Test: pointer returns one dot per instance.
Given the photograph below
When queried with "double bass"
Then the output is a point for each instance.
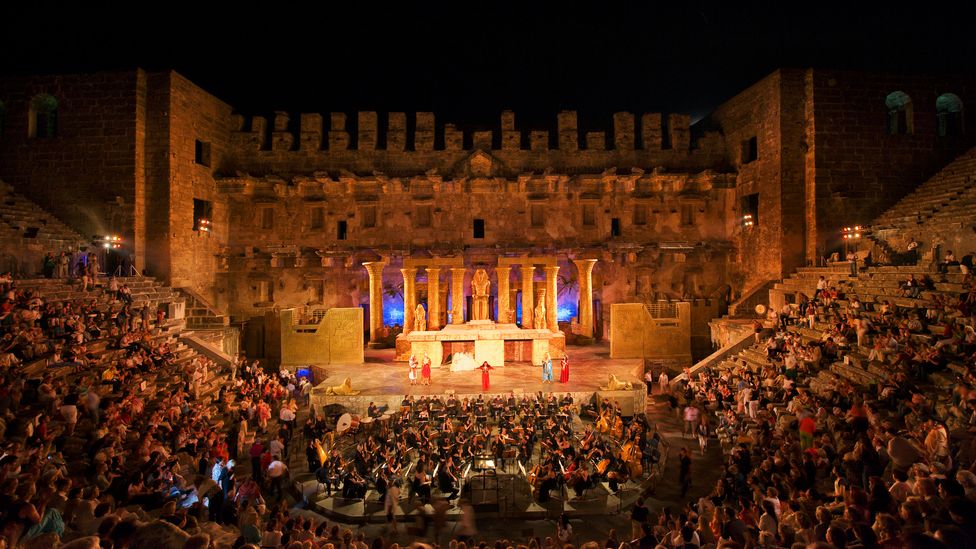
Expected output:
(631, 455)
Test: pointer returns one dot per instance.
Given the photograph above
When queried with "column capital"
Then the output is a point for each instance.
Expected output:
(406, 271)
(374, 267)
(585, 264)
(552, 269)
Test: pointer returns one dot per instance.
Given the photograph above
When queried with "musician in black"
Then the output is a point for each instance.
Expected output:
(447, 480)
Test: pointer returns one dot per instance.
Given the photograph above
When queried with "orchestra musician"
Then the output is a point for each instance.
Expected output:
(447, 480)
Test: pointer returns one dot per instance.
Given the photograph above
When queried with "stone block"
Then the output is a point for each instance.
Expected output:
(396, 134)
(596, 141)
(482, 140)
(679, 125)
(539, 140)
(651, 134)
(453, 138)
(433, 349)
(623, 131)
(423, 139)
(511, 140)
(508, 121)
(539, 349)
(311, 128)
(490, 350)
(338, 137)
(367, 128)
(568, 131)
(281, 120)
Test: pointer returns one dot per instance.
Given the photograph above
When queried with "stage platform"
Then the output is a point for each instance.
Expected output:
(383, 381)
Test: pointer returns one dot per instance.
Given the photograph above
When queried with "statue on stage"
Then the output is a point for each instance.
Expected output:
(420, 319)
(342, 390)
(539, 314)
(613, 384)
(480, 286)
(508, 316)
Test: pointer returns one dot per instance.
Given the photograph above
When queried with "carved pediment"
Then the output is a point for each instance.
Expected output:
(479, 164)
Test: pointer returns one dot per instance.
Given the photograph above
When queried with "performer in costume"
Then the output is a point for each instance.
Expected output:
(413, 370)
(564, 370)
(547, 369)
(485, 381)
(425, 370)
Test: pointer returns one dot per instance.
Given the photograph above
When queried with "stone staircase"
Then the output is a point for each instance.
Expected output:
(950, 190)
(200, 313)
(28, 233)
(947, 199)
(22, 218)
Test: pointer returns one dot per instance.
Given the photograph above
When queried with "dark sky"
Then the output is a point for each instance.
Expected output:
(469, 61)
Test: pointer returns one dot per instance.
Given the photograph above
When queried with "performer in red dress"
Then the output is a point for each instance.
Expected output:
(564, 371)
(485, 367)
(425, 370)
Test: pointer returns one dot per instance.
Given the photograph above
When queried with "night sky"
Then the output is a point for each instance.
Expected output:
(469, 61)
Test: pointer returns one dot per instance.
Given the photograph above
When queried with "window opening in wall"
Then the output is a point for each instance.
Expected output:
(264, 291)
(589, 215)
(749, 205)
(538, 216)
(368, 216)
(202, 215)
(479, 228)
(615, 226)
(750, 150)
(341, 230)
(202, 153)
(316, 220)
(267, 218)
(43, 121)
(640, 214)
(948, 108)
(900, 120)
(423, 217)
(687, 214)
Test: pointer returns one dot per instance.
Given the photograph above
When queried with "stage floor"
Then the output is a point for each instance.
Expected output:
(380, 379)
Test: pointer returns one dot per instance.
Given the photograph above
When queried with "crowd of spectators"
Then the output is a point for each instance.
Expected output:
(839, 430)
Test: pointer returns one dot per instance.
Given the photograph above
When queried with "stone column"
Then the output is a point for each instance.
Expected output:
(528, 297)
(375, 271)
(502, 273)
(433, 298)
(409, 297)
(585, 269)
(457, 295)
(552, 319)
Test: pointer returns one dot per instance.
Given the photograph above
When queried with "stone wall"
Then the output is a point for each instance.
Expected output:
(823, 158)
(83, 174)
(336, 339)
(860, 169)
(369, 142)
(196, 116)
(753, 128)
(663, 338)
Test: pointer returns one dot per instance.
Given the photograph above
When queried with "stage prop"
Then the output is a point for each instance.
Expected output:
(658, 330)
(484, 337)
(336, 339)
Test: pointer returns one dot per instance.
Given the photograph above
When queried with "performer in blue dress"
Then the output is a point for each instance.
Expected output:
(547, 369)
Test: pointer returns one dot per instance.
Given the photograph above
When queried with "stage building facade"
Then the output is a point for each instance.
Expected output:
(386, 211)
